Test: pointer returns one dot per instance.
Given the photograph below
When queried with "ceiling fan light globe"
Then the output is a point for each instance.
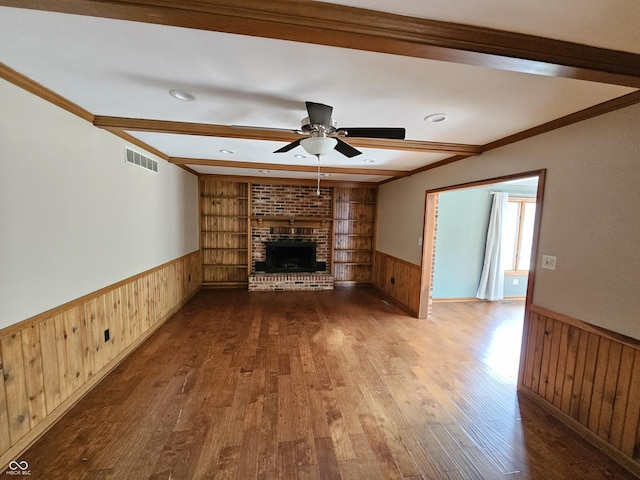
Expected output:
(318, 145)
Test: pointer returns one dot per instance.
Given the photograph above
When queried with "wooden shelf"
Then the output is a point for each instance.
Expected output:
(353, 220)
(221, 265)
(364, 264)
(356, 234)
(224, 197)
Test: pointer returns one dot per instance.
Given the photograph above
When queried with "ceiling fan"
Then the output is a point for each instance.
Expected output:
(324, 135)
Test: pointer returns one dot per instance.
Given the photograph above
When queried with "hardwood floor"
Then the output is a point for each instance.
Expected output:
(318, 385)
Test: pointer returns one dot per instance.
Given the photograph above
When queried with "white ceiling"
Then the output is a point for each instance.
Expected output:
(126, 69)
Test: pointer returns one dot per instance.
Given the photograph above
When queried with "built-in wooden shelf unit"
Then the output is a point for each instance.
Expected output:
(354, 228)
(224, 230)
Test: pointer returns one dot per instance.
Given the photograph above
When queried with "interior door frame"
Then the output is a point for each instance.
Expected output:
(429, 233)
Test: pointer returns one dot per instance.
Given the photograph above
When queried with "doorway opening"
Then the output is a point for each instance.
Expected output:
(454, 248)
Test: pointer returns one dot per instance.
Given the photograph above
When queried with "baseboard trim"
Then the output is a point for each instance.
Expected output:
(396, 303)
(474, 299)
(625, 461)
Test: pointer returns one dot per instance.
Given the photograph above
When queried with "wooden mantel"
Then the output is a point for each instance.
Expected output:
(282, 221)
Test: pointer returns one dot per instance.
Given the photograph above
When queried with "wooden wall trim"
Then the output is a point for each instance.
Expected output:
(50, 362)
(611, 335)
(44, 93)
(287, 181)
(587, 377)
(85, 298)
(579, 116)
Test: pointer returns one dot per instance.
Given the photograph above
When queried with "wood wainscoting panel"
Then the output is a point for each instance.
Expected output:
(399, 280)
(50, 361)
(588, 377)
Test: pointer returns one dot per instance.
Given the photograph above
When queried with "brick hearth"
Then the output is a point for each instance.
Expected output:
(290, 281)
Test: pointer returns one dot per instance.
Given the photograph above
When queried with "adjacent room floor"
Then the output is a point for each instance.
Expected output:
(327, 385)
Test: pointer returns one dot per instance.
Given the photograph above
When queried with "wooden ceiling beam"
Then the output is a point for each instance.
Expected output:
(225, 131)
(349, 27)
(288, 168)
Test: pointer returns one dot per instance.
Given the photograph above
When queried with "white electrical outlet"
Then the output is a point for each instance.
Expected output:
(516, 281)
(549, 262)
(419, 241)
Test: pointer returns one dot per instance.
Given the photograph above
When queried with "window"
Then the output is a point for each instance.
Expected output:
(518, 235)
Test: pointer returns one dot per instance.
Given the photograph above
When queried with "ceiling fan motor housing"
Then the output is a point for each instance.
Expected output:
(319, 129)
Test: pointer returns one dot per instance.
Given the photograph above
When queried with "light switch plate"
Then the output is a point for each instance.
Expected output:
(549, 262)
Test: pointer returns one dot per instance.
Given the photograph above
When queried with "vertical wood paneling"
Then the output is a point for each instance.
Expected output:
(609, 391)
(578, 377)
(587, 380)
(541, 332)
(587, 375)
(133, 307)
(93, 311)
(599, 378)
(46, 362)
(631, 431)
(15, 386)
(573, 337)
(621, 400)
(74, 342)
(399, 280)
(563, 349)
(527, 361)
(34, 377)
(50, 367)
(5, 440)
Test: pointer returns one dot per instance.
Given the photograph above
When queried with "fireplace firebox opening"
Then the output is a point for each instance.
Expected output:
(291, 256)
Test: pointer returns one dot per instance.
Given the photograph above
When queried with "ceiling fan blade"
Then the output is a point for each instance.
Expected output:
(391, 133)
(289, 146)
(346, 149)
(319, 114)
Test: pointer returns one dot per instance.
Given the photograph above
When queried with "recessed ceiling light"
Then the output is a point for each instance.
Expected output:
(300, 156)
(368, 160)
(436, 117)
(226, 152)
(263, 171)
(182, 95)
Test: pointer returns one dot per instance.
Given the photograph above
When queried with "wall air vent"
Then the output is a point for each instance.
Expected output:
(136, 158)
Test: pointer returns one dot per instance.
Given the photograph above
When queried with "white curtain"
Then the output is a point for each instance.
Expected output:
(492, 279)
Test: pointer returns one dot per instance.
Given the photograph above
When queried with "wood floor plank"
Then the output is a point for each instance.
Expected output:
(321, 385)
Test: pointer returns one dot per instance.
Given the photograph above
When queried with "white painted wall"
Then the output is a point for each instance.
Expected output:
(590, 220)
(74, 217)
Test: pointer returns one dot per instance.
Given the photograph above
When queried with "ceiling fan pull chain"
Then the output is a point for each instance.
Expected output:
(318, 189)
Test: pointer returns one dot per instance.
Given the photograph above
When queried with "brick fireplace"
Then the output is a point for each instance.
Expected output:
(290, 213)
